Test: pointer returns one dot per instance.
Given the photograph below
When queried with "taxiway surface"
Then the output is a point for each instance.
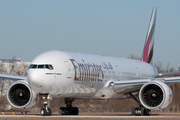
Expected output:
(93, 117)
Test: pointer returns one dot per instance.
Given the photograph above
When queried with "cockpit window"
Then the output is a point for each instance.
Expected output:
(49, 67)
(32, 66)
(41, 66)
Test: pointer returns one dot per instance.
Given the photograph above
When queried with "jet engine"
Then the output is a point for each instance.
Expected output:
(155, 95)
(20, 95)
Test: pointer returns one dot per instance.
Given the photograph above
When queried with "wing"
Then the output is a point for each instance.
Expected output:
(168, 74)
(121, 87)
(12, 77)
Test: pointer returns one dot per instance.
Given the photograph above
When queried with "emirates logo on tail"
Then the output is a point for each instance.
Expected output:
(149, 43)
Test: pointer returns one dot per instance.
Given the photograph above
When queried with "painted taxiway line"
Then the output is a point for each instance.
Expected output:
(94, 116)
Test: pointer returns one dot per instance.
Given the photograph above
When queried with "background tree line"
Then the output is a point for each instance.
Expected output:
(85, 105)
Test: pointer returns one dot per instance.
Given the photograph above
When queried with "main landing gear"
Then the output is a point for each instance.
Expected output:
(141, 110)
(69, 109)
(46, 111)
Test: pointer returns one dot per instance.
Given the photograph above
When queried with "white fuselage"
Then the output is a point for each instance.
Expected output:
(82, 75)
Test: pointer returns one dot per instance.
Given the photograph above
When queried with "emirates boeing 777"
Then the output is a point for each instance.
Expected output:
(84, 76)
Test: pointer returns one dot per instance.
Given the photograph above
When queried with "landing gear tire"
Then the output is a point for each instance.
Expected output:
(75, 111)
(60, 112)
(49, 113)
(43, 112)
(140, 111)
(68, 111)
(133, 111)
(147, 112)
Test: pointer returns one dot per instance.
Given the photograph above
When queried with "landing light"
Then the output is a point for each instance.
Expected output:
(48, 97)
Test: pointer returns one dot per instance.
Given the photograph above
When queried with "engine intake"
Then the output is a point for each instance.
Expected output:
(20, 95)
(155, 95)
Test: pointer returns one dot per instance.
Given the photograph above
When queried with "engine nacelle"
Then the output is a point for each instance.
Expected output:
(155, 95)
(20, 95)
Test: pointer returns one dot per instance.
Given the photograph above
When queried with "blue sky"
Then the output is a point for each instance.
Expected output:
(105, 27)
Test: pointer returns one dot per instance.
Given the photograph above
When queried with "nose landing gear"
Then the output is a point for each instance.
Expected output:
(46, 111)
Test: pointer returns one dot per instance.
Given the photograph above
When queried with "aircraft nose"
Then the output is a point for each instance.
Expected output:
(35, 80)
(40, 82)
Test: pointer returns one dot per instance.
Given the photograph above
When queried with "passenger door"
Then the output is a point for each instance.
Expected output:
(68, 69)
